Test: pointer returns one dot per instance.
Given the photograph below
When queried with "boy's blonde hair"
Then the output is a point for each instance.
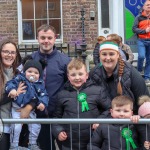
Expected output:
(121, 101)
(76, 63)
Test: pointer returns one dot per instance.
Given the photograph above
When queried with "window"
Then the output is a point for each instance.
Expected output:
(34, 13)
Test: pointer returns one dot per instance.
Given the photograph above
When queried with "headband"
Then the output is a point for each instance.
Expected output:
(109, 46)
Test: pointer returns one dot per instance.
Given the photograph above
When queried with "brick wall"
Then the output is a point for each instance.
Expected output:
(72, 22)
(8, 19)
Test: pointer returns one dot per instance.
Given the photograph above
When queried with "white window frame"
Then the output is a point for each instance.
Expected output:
(35, 42)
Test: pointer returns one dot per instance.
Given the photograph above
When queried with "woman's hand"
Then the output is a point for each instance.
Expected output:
(25, 111)
(21, 88)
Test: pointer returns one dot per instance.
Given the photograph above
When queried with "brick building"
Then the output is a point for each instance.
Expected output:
(21, 18)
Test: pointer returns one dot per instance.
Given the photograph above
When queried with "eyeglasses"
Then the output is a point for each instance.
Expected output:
(6, 52)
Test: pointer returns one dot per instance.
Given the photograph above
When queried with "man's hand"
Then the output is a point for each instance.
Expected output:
(147, 29)
(25, 111)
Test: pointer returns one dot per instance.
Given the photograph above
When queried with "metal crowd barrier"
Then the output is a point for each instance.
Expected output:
(74, 121)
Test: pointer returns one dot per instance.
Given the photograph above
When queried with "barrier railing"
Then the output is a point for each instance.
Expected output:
(74, 121)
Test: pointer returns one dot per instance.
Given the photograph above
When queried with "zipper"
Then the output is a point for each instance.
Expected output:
(120, 137)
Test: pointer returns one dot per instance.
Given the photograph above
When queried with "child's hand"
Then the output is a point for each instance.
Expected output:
(21, 88)
(135, 118)
(146, 145)
(62, 136)
(12, 94)
(94, 126)
(41, 107)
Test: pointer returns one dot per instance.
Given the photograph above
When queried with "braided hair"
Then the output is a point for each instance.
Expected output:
(120, 73)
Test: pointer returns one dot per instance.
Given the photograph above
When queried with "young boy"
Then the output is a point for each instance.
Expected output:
(114, 136)
(34, 91)
(80, 98)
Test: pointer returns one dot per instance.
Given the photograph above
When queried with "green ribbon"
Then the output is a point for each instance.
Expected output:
(82, 99)
(127, 134)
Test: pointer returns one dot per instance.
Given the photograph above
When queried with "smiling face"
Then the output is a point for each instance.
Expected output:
(46, 41)
(8, 55)
(121, 112)
(109, 59)
(77, 77)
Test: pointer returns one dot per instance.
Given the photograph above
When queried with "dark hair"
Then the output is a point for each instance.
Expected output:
(15, 64)
(46, 27)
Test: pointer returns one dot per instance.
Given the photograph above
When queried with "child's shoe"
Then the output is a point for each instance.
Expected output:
(33, 147)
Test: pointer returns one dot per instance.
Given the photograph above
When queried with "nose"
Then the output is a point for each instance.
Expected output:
(32, 73)
(46, 40)
(121, 113)
(9, 54)
(107, 57)
(77, 77)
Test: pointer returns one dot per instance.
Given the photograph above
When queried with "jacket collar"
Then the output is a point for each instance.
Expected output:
(113, 76)
(48, 55)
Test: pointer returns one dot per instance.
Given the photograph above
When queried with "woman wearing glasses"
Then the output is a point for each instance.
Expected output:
(9, 60)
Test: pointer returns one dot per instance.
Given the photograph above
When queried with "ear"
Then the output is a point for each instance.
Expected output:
(68, 76)
(132, 113)
(87, 75)
(111, 111)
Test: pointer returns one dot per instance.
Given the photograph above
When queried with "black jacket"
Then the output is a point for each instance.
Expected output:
(69, 107)
(133, 84)
(107, 137)
(96, 58)
(55, 74)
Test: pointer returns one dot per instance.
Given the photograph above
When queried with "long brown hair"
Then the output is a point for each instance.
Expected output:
(14, 65)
